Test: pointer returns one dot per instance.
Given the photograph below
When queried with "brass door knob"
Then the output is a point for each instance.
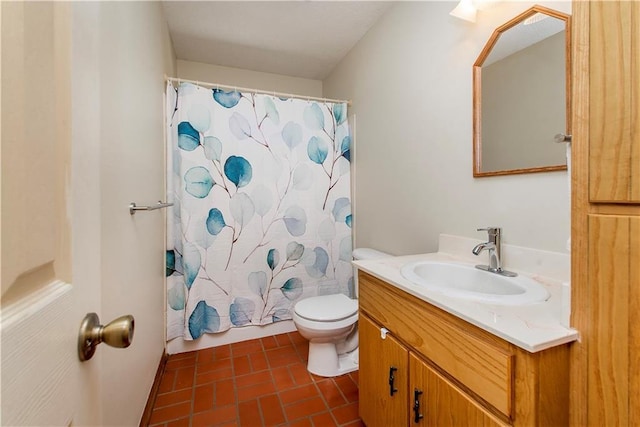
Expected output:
(117, 333)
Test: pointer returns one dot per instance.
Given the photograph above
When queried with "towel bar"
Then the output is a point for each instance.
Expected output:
(133, 207)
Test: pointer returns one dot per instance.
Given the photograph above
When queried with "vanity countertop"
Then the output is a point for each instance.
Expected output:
(532, 327)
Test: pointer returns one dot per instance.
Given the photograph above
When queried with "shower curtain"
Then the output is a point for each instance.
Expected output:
(262, 208)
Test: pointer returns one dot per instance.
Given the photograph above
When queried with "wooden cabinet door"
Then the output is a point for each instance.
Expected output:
(614, 292)
(441, 403)
(614, 87)
(378, 356)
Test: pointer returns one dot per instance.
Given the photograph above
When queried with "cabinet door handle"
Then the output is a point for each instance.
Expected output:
(417, 416)
(392, 378)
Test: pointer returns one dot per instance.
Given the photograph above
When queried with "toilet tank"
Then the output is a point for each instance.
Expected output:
(361, 254)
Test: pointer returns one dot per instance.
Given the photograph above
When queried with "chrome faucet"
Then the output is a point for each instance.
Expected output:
(493, 245)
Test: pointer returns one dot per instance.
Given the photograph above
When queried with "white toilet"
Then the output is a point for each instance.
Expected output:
(329, 322)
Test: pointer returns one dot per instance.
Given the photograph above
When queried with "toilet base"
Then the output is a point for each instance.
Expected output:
(324, 360)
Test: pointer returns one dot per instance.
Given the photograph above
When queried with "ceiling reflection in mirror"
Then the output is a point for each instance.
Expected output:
(521, 96)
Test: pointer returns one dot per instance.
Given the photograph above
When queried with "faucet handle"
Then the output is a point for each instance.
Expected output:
(493, 231)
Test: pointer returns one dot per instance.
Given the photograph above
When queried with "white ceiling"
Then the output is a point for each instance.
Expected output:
(294, 38)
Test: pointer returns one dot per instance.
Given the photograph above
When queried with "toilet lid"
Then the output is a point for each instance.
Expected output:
(326, 308)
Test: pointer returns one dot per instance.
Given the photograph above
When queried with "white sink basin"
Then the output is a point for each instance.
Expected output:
(467, 282)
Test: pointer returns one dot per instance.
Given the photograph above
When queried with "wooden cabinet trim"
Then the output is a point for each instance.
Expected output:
(579, 207)
(617, 209)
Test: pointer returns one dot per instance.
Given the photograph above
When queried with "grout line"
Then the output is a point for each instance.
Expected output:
(252, 371)
(193, 387)
(235, 386)
(275, 385)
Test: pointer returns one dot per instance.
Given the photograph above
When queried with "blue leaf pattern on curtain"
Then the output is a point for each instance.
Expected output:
(203, 319)
(226, 99)
(262, 207)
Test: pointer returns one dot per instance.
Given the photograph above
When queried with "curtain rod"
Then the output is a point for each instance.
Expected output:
(257, 91)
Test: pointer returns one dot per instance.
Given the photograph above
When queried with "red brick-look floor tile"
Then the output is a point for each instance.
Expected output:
(331, 393)
(255, 390)
(282, 378)
(299, 393)
(269, 342)
(303, 351)
(186, 362)
(252, 379)
(214, 371)
(209, 377)
(241, 365)
(182, 422)
(300, 374)
(225, 393)
(348, 388)
(283, 340)
(279, 352)
(169, 413)
(296, 338)
(249, 413)
(215, 416)
(166, 384)
(203, 398)
(346, 414)
(271, 410)
(222, 352)
(214, 365)
(305, 422)
(184, 378)
(258, 362)
(304, 408)
(354, 376)
(174, 398)
(323, 420)
(257, 383)
(246, 347)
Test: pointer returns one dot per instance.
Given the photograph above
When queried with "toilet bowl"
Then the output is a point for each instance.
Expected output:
(329, 322)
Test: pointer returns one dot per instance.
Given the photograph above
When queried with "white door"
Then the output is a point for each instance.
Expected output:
(43, 381)
(81, 138)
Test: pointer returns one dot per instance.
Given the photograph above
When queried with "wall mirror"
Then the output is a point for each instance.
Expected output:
(521, 95)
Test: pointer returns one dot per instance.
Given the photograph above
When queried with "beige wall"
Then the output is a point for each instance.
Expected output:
(133, 64)
(122, 51)
(246, 78)
(410, 82)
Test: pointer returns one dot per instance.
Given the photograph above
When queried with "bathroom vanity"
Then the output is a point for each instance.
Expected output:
(439, 361)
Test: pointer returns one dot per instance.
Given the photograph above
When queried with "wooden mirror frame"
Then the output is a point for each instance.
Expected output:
(477, 90)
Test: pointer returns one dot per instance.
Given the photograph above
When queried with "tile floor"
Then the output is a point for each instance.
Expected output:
(262, 382)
